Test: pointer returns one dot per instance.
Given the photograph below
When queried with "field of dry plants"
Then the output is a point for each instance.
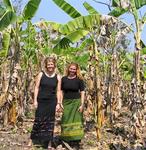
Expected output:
(112, 138)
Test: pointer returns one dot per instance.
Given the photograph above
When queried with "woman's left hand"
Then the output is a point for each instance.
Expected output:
(81, 108)
(59, 108)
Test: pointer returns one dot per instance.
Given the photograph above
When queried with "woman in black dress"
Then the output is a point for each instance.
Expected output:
(46, 95)
(72, 86)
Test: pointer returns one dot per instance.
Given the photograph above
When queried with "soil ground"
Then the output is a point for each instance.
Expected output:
(116, 138)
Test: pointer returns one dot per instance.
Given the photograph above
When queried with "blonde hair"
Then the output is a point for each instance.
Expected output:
(49, 59)
(78, 71)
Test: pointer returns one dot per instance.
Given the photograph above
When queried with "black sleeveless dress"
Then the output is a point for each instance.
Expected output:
(43, 127)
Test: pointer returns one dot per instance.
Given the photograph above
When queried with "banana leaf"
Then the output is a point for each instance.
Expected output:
(90, 9)
(8, 18)
(2, 11)
(71, 38)
(81, 23)
(5, 44)
(66, 7)
(8, 5)
(117, 12)
(143, 51)
(30, 9)
(46, 24)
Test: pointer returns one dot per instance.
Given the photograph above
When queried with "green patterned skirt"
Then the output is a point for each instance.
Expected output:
(72, 121)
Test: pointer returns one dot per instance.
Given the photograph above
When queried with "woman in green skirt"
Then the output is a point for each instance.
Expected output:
(72, 87)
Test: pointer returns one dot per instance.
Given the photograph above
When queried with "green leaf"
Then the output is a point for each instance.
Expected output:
(30, 9)
(2, 53)
(77, 35)
(8, 5)
(63, 43)
(2, 11)
(71, 26)
(82, 60)
(86, 43)
(5, 44)
(8, 18)
(90, 9)
(46, 50)
(81, 23)
(35, 59)
(143, 51)
(142, 44)
(139, 3)
(66, 7)
(46, 24)
(117, 12)
(144, 74)
(70, 38)
(144, 19)
(115, 3)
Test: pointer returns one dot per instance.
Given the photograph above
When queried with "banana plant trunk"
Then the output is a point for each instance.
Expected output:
(12, 92)
(137, 120)
(98, 98)
(114, 89)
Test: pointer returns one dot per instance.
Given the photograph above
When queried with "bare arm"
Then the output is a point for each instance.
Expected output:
(59, 106)
(59, 90)
(36, 89)
(82, 97)
(82, 101)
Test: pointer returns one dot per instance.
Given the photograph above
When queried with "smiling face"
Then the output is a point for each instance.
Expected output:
(72, 70)
(50, 65)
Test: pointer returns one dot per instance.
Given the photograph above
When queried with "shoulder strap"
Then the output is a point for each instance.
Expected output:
(42, 71)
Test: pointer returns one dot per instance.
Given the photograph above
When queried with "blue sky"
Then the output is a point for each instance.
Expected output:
(51, 12)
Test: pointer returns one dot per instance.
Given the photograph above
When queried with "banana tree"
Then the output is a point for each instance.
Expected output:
(60, 45)
(133, 7)
(9, 19)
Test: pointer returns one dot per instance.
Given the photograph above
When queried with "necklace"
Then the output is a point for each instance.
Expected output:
(50, 76)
